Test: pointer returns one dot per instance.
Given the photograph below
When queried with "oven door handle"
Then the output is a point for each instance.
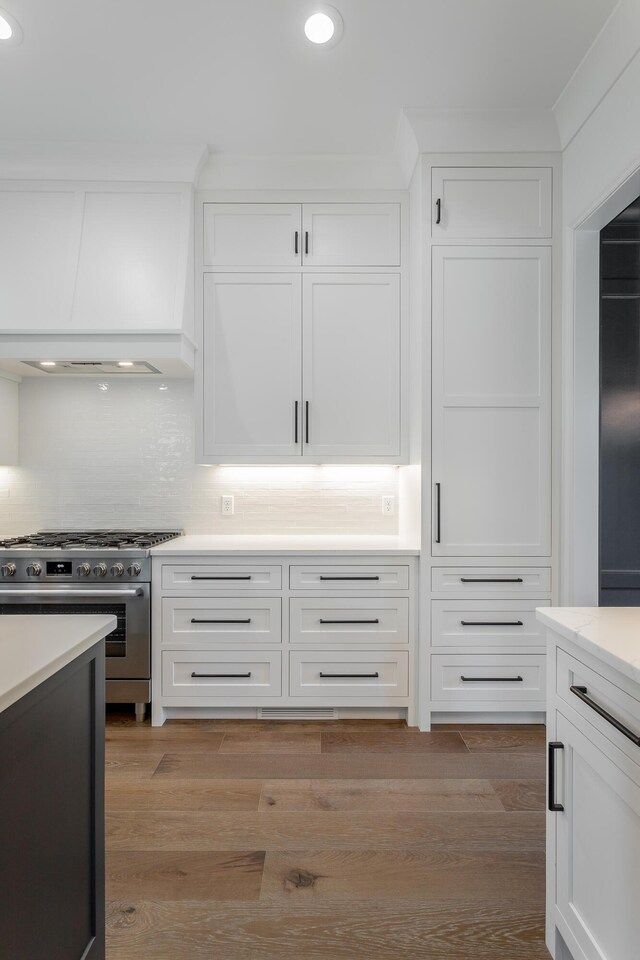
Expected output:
(88, 594)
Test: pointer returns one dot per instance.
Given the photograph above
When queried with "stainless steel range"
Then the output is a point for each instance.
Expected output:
(90, 571)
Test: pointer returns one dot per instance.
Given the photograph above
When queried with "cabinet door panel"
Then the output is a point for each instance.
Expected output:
(491, 401)
(351, 366)
(252, 234)
(251, 356)
(507, 202)
(598, 848)
(351, 234)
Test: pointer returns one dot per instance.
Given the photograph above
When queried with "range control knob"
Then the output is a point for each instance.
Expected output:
(8, 570)
(34, 570)
(117, 570)
(83, 570)
(100, 570)
(134, 570)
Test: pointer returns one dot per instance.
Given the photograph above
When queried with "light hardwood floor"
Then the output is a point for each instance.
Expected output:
(364, 840)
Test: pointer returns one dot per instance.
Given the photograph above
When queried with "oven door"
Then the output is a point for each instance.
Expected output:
(127, 647)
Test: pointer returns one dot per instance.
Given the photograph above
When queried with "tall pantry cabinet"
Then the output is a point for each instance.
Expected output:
(488, 247)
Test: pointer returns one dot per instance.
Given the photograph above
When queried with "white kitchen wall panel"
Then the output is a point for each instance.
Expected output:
(123, 456)
(9, 422)
(491, 401)
(252, 234)
(351, 365)
(251, 354)
(486, 202)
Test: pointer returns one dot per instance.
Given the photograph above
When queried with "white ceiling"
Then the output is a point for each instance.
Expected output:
(238, 74)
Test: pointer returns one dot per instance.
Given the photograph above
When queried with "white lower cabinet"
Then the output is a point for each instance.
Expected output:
(500, 679)
(297, 633)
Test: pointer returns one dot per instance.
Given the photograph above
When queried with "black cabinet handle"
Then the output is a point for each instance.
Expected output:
(491, 623)
(581, 693)
(295, 418)
(306, 243)
(438, 531)
(492, 679)
(243, 577)
(349, 676)
(225, 675)
(306, 422)
(322, 577)
(438, 210)
(195, 620)
(296, 248)
(551, 780)
(349, 621)
(491, 580)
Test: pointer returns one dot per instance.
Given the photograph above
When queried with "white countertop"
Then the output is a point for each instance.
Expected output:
(34, 647)
(355, 546)
(610, 633)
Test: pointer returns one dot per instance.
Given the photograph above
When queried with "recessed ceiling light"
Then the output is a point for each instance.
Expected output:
(47, 363)
(125, 363)
(10, 30)
(324, 25)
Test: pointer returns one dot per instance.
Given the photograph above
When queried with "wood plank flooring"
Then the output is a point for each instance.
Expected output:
(365, 840)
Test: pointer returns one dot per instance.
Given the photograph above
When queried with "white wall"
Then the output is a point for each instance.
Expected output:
(124, 456)
(598, 121)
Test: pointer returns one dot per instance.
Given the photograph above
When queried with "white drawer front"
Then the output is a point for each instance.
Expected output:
(601, 692)
(221, 674)
(348, 620)
(488, 677)
(486, 623)
(495, 581)
(349, 674)
(350, 577)
(199, 620)
(221, 576)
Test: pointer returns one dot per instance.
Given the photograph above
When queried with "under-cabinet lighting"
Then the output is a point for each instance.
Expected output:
(47, 363)
(125, 363)
(324, 25)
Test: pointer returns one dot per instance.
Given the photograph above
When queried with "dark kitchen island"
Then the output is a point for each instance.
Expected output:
(52, 787)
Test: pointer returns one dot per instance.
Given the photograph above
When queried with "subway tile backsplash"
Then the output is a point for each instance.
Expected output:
(120, 453)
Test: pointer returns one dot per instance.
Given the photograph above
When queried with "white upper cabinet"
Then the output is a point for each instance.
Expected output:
(351, 372)
(251, 359)
(252, 234)
(488, 202)
(351, 234)
(38, 254)
(95, 257)
(132, 253)
(491, 460)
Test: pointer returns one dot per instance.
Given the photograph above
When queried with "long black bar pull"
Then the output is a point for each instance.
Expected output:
(492, 679)
(295, 417)
(491, 623)
(347, 621)
(196, 620)
(581, 693)
(491, 580)
(438, 531)
(551, 780)
(438, 210)
(306, 422)
(350, 676)
(296, 243)
(244, 676)
(306, 243)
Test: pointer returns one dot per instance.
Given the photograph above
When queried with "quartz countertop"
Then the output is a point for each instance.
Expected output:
(34, 647)
(610, 633)
(285, 545)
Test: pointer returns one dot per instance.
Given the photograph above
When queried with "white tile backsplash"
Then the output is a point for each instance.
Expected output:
(123, 456)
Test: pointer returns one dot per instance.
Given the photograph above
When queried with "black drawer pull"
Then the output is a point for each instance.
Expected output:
(195, 620)
(306, 243)
(243, 675)
(438, 532)
(349, 621)
(581, 693)
(295, 418)
(199, 577)
(491, 580)
(551, 780)
(438, 210)
(491, 623)
(349, 578)
(492, 679)
(351, 676)
(297, 237)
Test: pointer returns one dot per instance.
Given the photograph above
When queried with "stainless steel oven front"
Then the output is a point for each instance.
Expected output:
(128, 654)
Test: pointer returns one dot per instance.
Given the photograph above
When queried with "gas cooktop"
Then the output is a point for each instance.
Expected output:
(89, 540)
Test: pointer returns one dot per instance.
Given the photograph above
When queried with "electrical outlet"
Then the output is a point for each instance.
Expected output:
(388, 506)
(227, 506)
